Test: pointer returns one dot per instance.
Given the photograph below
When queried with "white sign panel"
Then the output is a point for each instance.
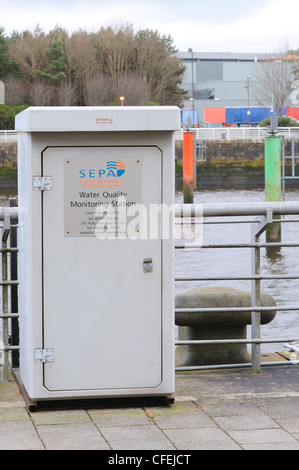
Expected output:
(102, 193)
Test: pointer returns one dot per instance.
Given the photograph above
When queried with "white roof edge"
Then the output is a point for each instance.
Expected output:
(95, 119)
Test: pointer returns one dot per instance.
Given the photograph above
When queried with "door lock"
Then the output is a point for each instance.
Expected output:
(147, 265)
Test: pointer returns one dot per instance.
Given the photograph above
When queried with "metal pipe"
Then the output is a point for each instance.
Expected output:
(10, 348)
(9, 250)
(237, 209)
(9, 315)
(236, 366)
(236, 309)
(233, 341)
(11, 211)
(260, 277)
(9, 283)
(241, 245)
(209, 209)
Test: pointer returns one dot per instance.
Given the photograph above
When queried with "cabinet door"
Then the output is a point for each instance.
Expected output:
(102, 293)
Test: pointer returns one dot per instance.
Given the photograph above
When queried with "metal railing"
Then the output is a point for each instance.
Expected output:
(237, 133)
(9, 283)
(264, 216)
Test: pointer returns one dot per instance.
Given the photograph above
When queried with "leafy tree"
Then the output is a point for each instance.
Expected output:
(4, 43)
(7, 115)
(56, 69)
(28, 51)
(283, 121)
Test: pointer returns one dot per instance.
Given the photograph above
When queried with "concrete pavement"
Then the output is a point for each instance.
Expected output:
(230, 409)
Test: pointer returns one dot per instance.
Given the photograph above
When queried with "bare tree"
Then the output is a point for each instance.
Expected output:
(40, 94)
(115, 51)
(66, 94)
(98, 90)
(158, 66)
(133, 88)
(273, 77)
(15, 91)
(81, 57)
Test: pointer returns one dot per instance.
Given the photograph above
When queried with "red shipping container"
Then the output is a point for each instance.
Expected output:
(214, 115)
(293, 112)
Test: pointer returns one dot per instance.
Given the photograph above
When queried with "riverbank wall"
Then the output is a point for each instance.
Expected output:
(228, 164)
(233, 164)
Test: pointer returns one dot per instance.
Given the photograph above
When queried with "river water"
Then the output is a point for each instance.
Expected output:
(237, 261)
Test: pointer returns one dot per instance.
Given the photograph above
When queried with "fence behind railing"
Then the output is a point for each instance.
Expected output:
(237, 133)
(8, 136)
(205, 133)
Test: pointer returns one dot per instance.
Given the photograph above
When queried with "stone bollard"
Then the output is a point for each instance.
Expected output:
(215, 325)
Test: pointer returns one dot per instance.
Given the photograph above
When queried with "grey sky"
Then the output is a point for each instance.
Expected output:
(218, 25)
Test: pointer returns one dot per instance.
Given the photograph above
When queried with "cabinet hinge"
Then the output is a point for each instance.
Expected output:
(44, 355)
(42, 183)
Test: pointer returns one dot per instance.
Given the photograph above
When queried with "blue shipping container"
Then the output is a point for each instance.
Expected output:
(189, 117)
(240, 115)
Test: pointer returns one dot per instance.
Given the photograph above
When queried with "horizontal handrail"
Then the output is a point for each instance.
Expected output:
(236, 209)
(233, 341)
(240, 245)
(209, 209)
(235, 309)
(238, 277)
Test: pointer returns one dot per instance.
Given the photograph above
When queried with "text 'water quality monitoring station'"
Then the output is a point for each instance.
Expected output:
(96, 251)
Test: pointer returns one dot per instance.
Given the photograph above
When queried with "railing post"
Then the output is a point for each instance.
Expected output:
(257, 229)
(255, 300)
(5, 233)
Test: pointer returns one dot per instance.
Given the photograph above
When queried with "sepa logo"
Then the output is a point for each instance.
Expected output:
(114, 169)
(118, 166)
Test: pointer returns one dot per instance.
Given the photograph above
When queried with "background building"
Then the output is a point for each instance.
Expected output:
(217, 81)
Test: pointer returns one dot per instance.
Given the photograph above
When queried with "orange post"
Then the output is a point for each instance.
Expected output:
(188, 167)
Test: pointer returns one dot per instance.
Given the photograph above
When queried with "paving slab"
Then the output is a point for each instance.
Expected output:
(19, 435)
(138, 437)
(213, 410)
(259, 436)
(73, 436)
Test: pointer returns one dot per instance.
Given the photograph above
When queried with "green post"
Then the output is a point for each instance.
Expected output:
(273, 181)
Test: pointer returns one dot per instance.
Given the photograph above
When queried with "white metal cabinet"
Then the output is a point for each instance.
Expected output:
(96, 311)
